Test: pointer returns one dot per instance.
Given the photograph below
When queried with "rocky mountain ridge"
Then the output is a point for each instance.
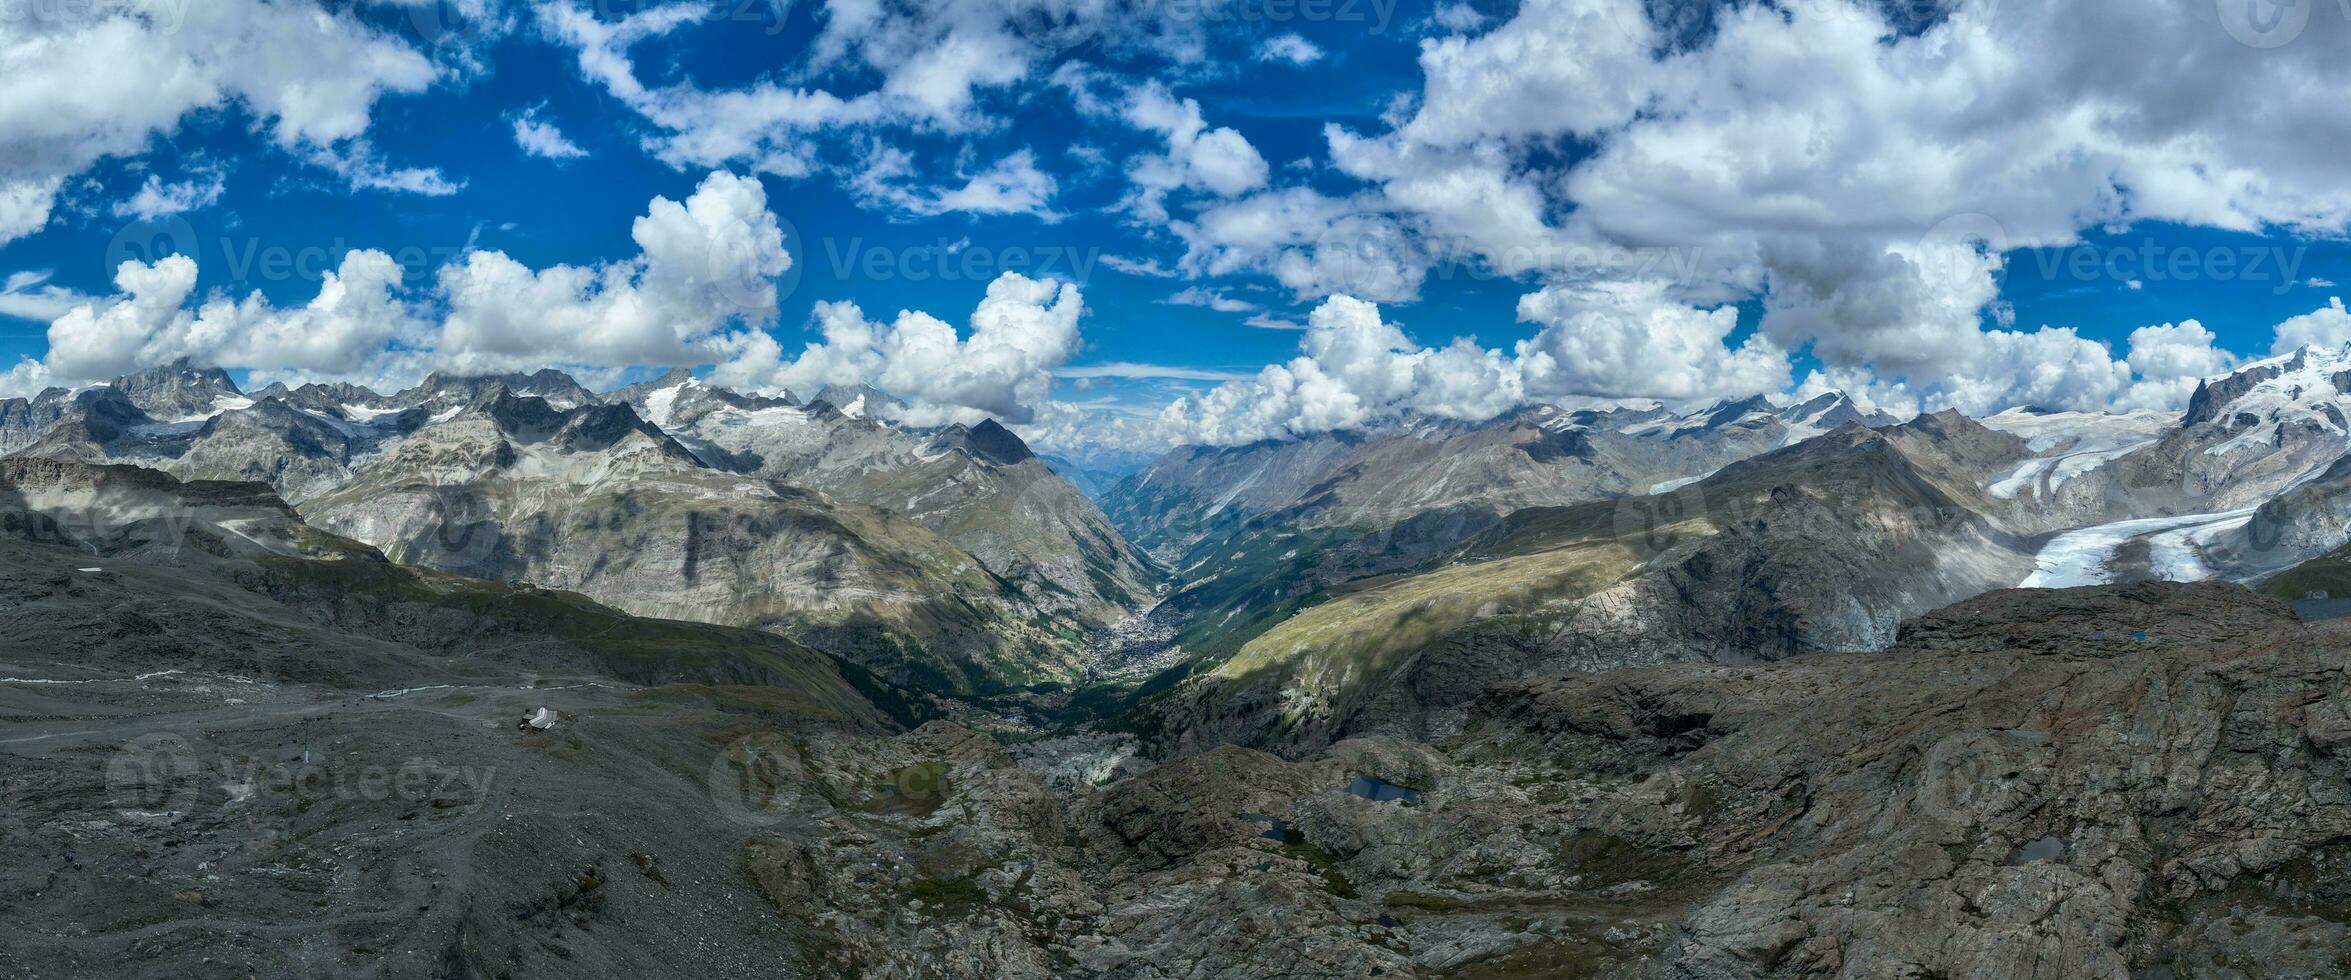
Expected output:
(530, 478)
(950, 553)
(1309, 545)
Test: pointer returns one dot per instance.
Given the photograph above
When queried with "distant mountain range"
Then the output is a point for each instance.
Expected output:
(1285, 592)
(1350, 583)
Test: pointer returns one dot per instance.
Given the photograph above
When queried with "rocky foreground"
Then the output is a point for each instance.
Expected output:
(2138, 781)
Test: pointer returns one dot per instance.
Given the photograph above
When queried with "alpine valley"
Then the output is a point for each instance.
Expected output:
(1768, 688)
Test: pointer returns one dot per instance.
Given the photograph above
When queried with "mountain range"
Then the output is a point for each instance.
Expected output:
(1609, 692)
(952, 556)
(956, 560)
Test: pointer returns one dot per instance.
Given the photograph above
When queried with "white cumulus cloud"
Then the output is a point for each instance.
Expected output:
(1630, 340)
(2327, 326)
(1218, 161)
(1020, 334)
(1355, 370)
(703, 266)
(87, 81)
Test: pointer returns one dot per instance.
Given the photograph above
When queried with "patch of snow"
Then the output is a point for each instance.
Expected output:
(156, 430)
(2024, 475)
(362, 413)
(220, 403)
(2081, 431)
(140, 679)
(661, 405)
(1670, 486)
(1233, 494)
(387, 695)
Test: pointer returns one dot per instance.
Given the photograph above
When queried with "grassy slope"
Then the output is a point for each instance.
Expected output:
(1373, 628)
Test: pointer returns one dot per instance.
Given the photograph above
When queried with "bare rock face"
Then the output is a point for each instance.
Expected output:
(1983, 800)
(986, 441)
(111, 511)
(2095, 621)
(1190, 504)
(978, 486)
(180, 390)
(1986, 800)
(207, 741)
(442, 389)
(597, 500)
(23, 421)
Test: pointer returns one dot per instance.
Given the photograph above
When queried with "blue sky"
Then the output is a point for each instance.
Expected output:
(1476, 135)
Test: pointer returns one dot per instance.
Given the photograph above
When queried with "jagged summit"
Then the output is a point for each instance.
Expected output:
(181, 390)
(92, 417)
(1732, 412)
(1833, 409)
(678, 399)
(2309, 383)
(860, 401)
(589, 428)
(987, 441)
(443, 387)
(341, 399)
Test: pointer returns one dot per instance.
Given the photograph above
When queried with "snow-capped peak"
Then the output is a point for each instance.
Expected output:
(661, 402)
(2310, 385)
